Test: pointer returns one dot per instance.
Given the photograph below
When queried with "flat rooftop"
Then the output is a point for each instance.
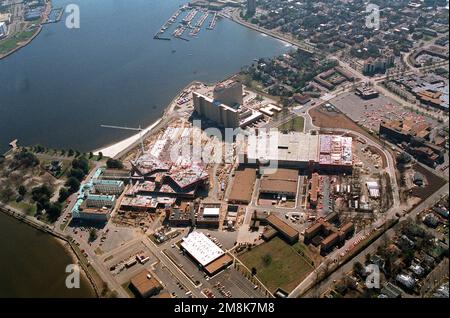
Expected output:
(243, 184)
(282, 226)
(144, 282)
(218, 264)
(292, 147)
(201, 248)
(282, 181)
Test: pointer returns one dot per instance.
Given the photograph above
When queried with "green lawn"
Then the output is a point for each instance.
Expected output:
(277, 264)
(295, 124)
(27, 208)
(9, 44)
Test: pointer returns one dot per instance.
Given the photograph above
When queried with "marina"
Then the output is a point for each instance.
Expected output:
(186, 23)
(169, 23)
(54, 16)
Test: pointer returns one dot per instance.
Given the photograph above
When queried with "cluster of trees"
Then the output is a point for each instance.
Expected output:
(288, 75)
(41, 195)
(79, 170)
(114, 164)
(24, 159)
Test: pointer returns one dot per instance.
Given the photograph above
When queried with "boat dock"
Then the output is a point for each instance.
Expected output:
(194, 31)
(189, 17)
(213, 22)
(202, 19)
(186, 23)
(54, 16)
(178, 33)
(168, 23)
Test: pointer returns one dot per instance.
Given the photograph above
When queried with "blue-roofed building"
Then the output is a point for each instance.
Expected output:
(94, 207)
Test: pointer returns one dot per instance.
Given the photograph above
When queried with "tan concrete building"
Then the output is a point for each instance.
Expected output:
(214, 110)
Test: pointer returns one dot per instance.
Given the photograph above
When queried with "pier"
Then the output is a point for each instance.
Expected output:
(168, 23)
(213, 22)
(190, 16)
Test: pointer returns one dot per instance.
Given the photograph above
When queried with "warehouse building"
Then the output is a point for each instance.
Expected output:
(145, 284)
(327, 153)
(205, 253)
(242, 189)
(138, 204)
(287, 232)
(282, 183)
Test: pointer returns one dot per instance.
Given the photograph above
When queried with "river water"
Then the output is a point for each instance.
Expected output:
(33, 264)
(59, 90)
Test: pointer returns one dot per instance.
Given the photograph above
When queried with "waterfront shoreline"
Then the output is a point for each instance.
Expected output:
(121, 147)
(59, 238)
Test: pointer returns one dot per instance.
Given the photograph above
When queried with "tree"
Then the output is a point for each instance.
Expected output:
(358, 268)
(81, 163)
(6, 194)
(25, 159)
(70, 153)
(267, 259)
(22, 190)
(54, 211)
(254, 271)
(92, 235)
(100, 156)
(91, 154)
(63, 195)
(114, 164)
(73, 184)
(41, 194)
(368, 257)
(77, 173)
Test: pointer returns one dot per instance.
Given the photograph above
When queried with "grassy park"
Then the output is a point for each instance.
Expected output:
(295, 124)
(277, 264)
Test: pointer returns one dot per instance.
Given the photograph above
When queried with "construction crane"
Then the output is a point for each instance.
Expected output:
(129, 128)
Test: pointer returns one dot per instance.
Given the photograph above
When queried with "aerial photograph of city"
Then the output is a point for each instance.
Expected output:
(211, 150)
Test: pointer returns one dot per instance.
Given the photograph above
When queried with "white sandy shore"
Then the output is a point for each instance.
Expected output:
(115, 149)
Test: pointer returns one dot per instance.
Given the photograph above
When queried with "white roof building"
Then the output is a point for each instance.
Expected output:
(211, 212)
(201, 248)
(3, 29)
(374, 189)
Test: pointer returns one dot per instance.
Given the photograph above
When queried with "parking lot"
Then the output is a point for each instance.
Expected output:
(370, 113)
(231, 282)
